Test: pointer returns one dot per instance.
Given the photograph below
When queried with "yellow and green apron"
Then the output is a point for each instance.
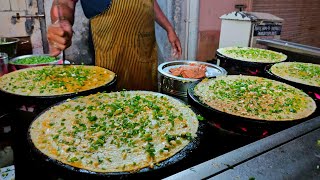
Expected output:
(124, 42)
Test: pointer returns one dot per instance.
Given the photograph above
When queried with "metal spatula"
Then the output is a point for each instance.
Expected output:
(60, 17)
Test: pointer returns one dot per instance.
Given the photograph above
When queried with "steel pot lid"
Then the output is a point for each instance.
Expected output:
(212, 70)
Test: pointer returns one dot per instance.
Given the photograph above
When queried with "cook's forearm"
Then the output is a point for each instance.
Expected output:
(160, 18)
(67, 9)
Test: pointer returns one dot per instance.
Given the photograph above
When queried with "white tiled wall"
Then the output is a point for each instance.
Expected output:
(9, 8)
(18, 5)
(8, 28)
(5, 5)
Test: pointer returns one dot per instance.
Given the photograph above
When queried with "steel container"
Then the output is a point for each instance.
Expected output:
(13, 66)
(178, 86)
(9, 46)
(3, 64)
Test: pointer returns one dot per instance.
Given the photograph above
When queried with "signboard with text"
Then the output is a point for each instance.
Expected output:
(267, 30)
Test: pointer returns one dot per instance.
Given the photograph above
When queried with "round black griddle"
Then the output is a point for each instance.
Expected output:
(236, 66)
(214, 115)
(70, 172)
(244, 63)
(42, 102)
(312, 91)
(304, 87)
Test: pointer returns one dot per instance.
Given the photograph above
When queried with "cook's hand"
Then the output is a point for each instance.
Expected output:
(60, 33)
(175, 43)
(59, 36)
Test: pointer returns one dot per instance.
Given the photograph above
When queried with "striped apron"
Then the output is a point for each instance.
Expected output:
(124, 42)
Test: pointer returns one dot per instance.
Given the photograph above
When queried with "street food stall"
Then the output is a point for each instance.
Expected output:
(219, 134)
(206, 122)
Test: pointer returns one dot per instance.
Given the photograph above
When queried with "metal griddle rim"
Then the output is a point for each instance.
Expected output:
(183, 153)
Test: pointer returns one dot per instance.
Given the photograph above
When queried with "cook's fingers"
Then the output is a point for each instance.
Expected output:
(174, 53)
(59, 46)
(54, 51)
(179, 48)
(59, 40)
(56, 30)
(66, 26)
(176, 49)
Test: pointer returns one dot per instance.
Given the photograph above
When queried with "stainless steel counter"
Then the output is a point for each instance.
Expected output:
(291, 47)
(289, 154)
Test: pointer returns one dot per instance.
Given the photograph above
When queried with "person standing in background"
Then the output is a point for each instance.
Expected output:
(123, 36)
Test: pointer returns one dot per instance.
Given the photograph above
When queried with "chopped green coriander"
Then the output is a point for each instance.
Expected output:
(200, 118)
(73, 159)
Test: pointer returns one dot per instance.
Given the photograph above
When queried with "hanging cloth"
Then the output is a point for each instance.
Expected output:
(124, 42)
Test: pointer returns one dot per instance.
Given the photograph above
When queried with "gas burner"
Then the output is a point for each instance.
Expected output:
(315, 95)
(253, 72)
(235, 69)
(28, 108)
(241, 130)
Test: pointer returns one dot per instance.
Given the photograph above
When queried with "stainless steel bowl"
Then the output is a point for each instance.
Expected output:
(178, 86)
(9, 46)
(3, 64)
(13, 66)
